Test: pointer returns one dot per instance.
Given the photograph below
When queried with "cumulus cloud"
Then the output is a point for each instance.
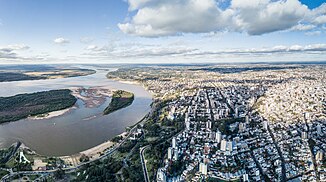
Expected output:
(154, 18)
(61, 41)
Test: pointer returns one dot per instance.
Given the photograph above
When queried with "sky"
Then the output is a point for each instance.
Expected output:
(161, 31)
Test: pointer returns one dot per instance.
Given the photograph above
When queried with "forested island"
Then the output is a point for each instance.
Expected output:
(120, 99)
(24, 105)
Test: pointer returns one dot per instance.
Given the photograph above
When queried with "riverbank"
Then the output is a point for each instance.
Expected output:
(52, 114)
(115, 123)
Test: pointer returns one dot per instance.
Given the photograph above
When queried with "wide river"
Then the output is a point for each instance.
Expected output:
(72, 132)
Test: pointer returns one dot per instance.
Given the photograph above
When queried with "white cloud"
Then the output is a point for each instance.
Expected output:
(176, 16)
(95, 48)
(259, 17)
(10, 51)
(61, 41)
(313, 33)
(303, 27)
(155, 18)
(320, 19)
(18, 47)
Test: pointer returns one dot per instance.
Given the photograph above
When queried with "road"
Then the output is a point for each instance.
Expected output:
(73, 169)
(279, 153)
(143, 162)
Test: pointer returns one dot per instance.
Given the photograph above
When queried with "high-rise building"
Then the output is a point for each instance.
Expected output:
(170, 153)
(245, 177)
(174, 142)
(229, 146)
(265, 125)
(208, 125)
(236, 112)
(187, 125)
(247, 119)
(306, 116)
(319, 129)
(218, 136)
(203, 168)
(319, 156)
(223, 145)
(175, 154)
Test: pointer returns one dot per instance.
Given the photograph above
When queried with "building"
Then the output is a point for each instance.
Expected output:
(170, 153)
(304, 135)
(203, 168)
(229, 146)
(223, 145)
(218, 136)
(319, 131)
(245, 177)
(174, 142)
(265, 125)
(175, 154)
(160, 177)
(319, 156)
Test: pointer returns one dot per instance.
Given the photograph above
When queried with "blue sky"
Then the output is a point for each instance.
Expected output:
(155, 31)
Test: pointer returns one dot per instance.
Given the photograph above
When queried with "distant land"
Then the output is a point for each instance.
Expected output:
(120, 99)
(39, 72)
(24, 105)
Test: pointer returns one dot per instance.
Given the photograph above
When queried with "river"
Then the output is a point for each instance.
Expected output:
(71, 132)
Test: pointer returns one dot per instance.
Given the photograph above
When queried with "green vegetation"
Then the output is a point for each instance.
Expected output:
(100, 170)
(5, 155)
(16, 162)
(10, 76)
(120, 99)
(3, 173)
(23, 105)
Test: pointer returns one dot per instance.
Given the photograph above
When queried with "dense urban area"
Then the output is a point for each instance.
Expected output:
(207, 123)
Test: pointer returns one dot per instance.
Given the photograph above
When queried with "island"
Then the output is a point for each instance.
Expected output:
(39, 72)
(32, 104)
(120, 99)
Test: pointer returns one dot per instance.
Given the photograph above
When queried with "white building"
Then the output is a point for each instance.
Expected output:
(218, 136)
(175, 154)
(174, 142)
(160, 177)
(319, 156)
(223, 145)
(170, 153)
(265, 125)
(203, 168)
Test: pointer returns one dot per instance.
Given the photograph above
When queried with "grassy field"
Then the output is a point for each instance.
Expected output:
(120, 99)
(23, 105)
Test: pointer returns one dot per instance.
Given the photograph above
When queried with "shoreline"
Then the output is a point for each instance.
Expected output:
(96, 151)
(52, 114)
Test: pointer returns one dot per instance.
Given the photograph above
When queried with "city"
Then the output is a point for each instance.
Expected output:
(163, 91)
